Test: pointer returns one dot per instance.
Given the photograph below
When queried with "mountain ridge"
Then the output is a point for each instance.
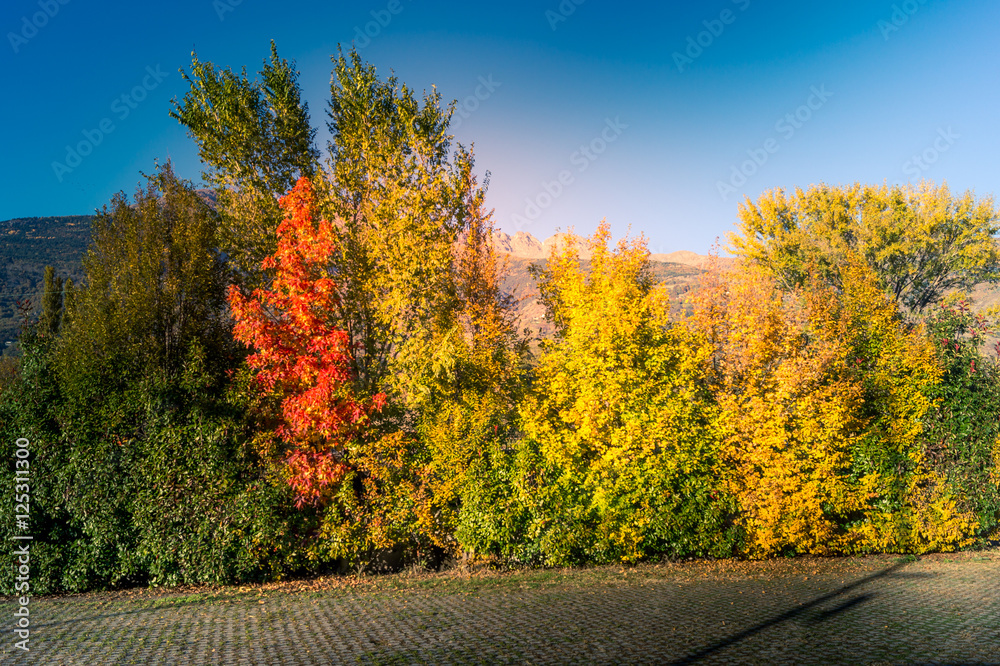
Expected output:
(522, 245)
(28, 244)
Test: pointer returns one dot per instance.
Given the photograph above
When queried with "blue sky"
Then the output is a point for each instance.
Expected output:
(660, 117)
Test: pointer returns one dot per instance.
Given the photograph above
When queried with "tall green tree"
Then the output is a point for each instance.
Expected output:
(962, 432)
(399, 186)
(255, 141)
(52, 303)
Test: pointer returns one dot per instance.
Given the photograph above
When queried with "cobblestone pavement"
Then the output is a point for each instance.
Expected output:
(940, 609)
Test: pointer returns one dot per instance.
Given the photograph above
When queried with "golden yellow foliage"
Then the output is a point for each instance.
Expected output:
(821, 395)
(788, 406)
(618, 420)
(921, 241)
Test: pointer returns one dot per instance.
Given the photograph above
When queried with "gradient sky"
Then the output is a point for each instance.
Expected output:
(896, 80)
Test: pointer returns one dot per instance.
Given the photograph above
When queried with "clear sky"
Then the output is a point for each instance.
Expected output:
(658, 116)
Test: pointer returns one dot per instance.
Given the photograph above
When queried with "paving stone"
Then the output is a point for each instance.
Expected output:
(936, 610)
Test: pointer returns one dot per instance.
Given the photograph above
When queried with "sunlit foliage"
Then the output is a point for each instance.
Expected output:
(921, 242)
(619, 430)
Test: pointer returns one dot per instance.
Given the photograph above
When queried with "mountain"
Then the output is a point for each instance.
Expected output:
(521, 245)
(679, 271)
(685, 257)
(525, 246)
(27, 246)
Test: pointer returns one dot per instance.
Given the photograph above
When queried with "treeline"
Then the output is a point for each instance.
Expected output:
(326, 373)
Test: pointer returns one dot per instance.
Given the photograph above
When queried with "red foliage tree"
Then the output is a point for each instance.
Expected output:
(300, 352)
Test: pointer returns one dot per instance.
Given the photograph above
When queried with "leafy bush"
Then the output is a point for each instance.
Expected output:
(619, 450)
(962, 429)
(142, 457)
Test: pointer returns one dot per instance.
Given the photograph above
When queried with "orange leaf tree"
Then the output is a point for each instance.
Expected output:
(300, 352)
(787, 409)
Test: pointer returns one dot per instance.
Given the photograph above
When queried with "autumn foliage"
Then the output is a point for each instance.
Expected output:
(787, 410)
(822, 396)
(772, 420)
(300, 353)
(325, 370)
(620, 443)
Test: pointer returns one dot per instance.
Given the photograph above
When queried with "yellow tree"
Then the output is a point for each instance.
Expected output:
(921, 242)
(787, 405)
(821, 393)
(618, 428)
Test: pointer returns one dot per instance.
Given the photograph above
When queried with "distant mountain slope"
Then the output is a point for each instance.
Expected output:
(678, 271)
(29, 244)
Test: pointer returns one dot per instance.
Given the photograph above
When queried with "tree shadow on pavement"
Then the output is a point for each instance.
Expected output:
(890, 572)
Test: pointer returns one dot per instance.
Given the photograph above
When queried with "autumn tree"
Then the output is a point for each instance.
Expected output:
(619, 431)
(468, 402)
(822, 395)
(398, 192)
(921, 242)
(787, 410)
(399, 186)
(395, 183)
(255, 141)
(916, 509)
(301, 354)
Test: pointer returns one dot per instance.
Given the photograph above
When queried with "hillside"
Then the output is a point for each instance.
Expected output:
(29, 244)
(679, 271)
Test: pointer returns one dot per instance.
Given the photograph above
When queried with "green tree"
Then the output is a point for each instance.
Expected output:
(255, 141)
(962, 432)
(155, 282)
(52, 303)
(137, 426)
